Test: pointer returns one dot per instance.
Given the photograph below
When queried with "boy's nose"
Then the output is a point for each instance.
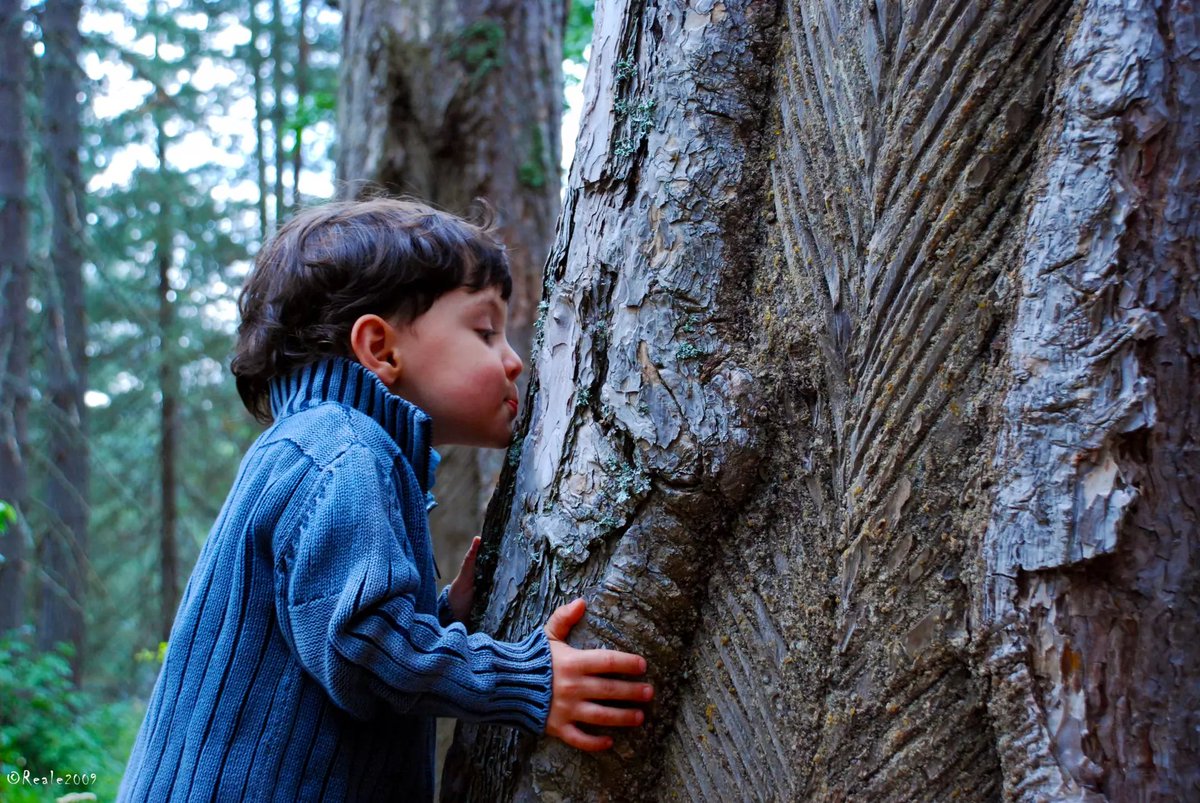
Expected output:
(512, 363)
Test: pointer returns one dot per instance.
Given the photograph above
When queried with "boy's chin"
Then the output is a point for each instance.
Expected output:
(501, 442)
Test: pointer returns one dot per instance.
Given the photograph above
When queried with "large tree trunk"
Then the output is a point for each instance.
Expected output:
(14, 319)
(453, 101)
(63, 547)
(865, 407)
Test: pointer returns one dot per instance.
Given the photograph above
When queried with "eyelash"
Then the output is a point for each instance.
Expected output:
(487, 334)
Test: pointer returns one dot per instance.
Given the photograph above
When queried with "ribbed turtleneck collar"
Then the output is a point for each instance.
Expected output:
(341, 380)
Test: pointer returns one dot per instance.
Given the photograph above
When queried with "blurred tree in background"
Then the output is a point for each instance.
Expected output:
(14, 330)
(62, 542)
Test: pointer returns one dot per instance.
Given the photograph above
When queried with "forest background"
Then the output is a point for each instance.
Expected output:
(128, 219)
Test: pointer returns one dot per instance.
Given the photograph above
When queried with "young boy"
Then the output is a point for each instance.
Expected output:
(309, 656)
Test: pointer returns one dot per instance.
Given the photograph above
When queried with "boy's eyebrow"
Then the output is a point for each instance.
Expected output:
(488, 301)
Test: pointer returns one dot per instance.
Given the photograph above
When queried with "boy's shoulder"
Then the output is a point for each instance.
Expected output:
(326, 431)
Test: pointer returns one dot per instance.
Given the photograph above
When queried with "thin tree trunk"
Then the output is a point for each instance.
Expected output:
(278, 110)
(865, 406)
(14, 325)
(168, 379)
(168, 383)
(452, 102)
(302, 48)
(260, 150)
(63, 548)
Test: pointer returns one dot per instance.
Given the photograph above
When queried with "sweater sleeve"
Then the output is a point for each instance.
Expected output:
(346, 591)
(444, 614)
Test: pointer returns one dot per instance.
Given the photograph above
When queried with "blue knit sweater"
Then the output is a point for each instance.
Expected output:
(308, 658)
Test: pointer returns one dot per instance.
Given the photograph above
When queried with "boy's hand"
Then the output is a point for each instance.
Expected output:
(578, 687)
(462, 589)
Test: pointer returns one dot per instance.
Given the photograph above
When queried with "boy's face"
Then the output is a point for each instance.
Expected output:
(457, 366)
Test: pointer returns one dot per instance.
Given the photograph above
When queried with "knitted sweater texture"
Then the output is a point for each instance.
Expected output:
(308, 658)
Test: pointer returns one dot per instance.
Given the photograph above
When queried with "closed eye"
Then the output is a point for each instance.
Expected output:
(486, 334)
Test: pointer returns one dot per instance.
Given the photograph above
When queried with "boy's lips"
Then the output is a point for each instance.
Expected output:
(512, 405)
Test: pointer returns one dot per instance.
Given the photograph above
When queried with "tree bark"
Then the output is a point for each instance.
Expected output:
(453, 101)
(63, 548)
(864, 406)
(14, 325)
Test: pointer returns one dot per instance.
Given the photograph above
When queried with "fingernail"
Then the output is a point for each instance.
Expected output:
(647, 692)
(640, 717)
(642, 665)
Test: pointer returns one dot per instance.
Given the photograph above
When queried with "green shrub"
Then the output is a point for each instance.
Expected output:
(49, 726)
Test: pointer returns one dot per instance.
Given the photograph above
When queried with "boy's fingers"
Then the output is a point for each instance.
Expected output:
(472, 551)
(606, 689)
(564, 618)
(584, 741)
(595, 714)
(610, 662)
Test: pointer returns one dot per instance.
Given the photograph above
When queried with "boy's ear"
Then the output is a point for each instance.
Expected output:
(376, 345)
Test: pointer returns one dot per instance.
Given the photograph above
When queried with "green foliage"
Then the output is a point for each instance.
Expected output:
(479, 48)
(48, 726)
(532, 172)
(155, 657)
(578, 34)
(8, 515)
(317, 107)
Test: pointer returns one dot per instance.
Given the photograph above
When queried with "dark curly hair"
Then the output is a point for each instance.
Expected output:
(330, 265)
